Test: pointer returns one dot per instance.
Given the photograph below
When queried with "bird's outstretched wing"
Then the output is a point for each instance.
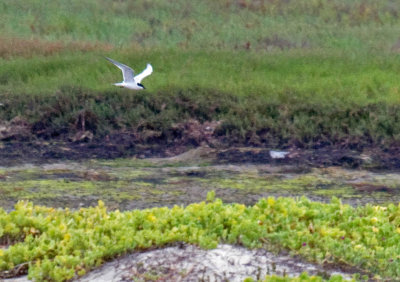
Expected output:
(147, 71)
(127, 72)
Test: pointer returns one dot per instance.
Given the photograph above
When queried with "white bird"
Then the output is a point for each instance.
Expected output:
(278, 154)
(130, 80)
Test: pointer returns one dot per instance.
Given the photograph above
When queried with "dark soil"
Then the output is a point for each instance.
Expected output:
(373, 158)
(16, 152)
(124, 145)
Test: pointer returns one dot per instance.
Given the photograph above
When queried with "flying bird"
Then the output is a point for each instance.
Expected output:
(131, 81)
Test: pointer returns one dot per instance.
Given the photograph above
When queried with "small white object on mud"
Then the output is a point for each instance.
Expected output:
(278, 154)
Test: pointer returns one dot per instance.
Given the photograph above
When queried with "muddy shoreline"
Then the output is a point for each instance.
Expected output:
(40, 152)
(241, 175)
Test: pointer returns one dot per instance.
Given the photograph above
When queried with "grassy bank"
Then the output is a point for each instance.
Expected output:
(284, 98)
(58, 244)
(273, 73)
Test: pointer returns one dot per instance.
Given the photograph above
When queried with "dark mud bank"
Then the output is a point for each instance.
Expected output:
(39, 152)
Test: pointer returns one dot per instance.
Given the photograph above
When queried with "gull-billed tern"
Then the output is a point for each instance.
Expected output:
(130, 80)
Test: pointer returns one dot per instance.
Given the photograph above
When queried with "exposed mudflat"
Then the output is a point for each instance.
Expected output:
(123, 146)
(133, 183)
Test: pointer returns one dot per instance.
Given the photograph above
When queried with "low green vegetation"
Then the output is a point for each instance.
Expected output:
(59, 244)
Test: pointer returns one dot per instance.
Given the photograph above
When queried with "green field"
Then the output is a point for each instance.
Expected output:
(283, 72)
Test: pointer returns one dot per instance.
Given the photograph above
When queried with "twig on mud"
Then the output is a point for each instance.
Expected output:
(18, 270)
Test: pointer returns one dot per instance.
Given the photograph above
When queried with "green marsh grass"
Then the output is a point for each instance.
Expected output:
(293, 96)
(298, 72)
(338, 24)
(314, 76)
